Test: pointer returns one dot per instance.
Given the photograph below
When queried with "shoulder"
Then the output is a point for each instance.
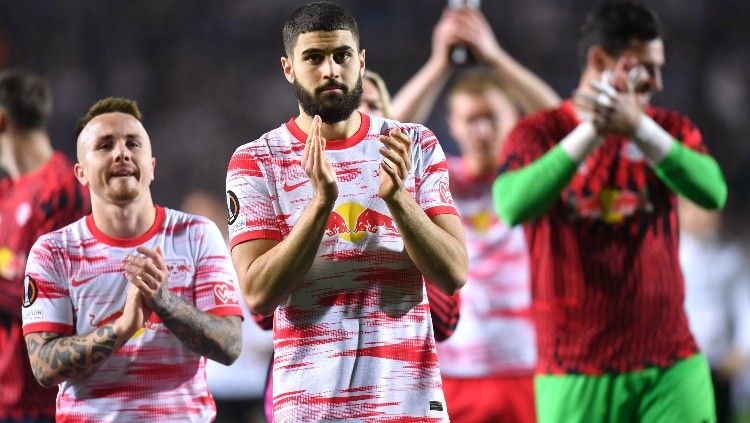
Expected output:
(70, 234)
(273, 143)
(669, 119)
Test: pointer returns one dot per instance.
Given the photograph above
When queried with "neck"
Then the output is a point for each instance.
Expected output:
(23, 153)
(478, 166)
(124, 221)
(331, 131)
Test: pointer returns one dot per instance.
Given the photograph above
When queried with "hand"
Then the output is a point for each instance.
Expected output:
(396, 164)
(149, 274)
(444, 35)
(612, 110)
(475, 32)
(134, 314)
(316, 165)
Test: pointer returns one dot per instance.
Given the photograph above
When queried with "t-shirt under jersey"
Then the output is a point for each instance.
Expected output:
(75, 284)
(495, 334)
(607, 290)
(354, 339)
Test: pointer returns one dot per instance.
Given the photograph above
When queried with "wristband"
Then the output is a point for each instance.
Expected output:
(652, 139)
(579, 143)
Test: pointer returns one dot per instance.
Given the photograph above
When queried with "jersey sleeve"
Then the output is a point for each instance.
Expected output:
(249, 202)
(444, 311)
(215, 279)
(430, 173)
(47, 306)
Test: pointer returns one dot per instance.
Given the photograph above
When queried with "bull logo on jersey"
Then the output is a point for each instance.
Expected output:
(353, 221)
(30, 291)
(611, 205)
(178, 269)
(233, 207)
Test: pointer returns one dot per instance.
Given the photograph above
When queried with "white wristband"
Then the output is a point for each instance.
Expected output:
(652, 139)
(579, 143)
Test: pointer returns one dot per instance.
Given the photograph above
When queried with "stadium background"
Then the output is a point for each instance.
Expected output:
(208, 78)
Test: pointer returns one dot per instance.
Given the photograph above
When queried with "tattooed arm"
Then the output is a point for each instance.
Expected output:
(216, 337)
(55, 357)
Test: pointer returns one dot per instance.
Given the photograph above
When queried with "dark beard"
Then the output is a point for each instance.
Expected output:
(330, 107)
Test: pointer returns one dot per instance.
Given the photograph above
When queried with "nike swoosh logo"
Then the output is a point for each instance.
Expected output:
(289, 188)
(80, 282)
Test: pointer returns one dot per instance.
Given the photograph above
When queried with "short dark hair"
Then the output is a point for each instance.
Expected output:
(317, 16)
(109, 105)
(614, 25)
(26, 99)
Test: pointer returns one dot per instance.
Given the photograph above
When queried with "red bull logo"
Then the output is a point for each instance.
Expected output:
(353, 221)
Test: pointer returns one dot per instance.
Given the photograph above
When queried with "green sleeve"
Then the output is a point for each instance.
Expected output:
(530, 191)
(693, 175)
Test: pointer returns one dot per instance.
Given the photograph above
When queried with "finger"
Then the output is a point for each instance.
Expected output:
(155, 257)
(156, 273)
(388, 169)
(604, 88)
(138, 282)
(395, 161)
(152, 282)
(392, 144)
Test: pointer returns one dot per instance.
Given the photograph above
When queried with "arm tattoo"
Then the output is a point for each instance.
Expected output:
(215, 337)
(56, 358)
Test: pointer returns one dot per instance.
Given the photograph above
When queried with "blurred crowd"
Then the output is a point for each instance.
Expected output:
(207, 75)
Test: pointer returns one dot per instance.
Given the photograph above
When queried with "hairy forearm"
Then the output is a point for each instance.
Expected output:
(215, 337)
(416, 99)
(273, 276)
(437, 254)
(55, 358)
(526, 88)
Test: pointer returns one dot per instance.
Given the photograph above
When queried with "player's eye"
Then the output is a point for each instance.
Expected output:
(314, 58)
(341, 56)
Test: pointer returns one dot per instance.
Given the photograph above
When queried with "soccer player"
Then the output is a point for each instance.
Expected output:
(122, 307)
(488, 364)
(39, 193)
(334, 217)
(595, 183)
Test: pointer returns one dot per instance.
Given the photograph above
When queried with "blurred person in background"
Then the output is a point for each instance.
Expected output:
(123, 306)
(334, 217)
(237, 388)
(488, 363)
(717, 298)
(595, 182)
(38, 193)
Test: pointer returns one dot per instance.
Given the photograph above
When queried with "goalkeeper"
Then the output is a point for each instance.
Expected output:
(595, 183)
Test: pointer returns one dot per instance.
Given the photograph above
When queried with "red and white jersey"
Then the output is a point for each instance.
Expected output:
(495, 334)
(354, 340)
(75, 283)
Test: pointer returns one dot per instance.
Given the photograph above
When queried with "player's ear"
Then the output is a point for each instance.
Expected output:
(153, 168)
(80, 174)
(362, 62)
(286, 65)
(597, 59)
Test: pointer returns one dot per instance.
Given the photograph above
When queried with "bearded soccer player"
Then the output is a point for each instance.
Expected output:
(334, 217)
(595, 182)
(122, 307)
(38, 194)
